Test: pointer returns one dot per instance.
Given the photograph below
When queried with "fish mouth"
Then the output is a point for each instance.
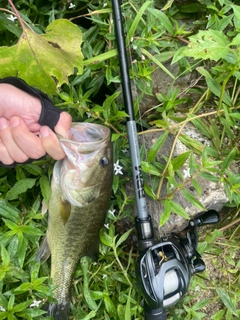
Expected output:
(86, 137)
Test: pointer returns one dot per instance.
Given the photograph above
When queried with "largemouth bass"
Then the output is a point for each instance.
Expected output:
(80, 192)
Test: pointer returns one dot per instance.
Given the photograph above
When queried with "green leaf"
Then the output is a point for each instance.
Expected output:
(164, 20)
(156, 146)
(123, 238)
(136, 21)
(9, 212)
(219, 315)
(22, 248)
(208, 44)
(196, 186)
(33, 169)
(128, 310)
(11, 302)
(227, 161)
(43, 55)
(5, 256)
(20, 187)
(166, 213)
(175, 207)
(45, 188)
(157, 62)
(179, 161)
(227, 301)
(21, 306)
(110, 306)
(190, 197)
(149, 168)
(105, 238)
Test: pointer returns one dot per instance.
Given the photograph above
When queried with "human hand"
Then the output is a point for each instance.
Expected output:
(21, 136)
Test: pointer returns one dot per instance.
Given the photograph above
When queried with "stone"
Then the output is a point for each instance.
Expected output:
(212, 196)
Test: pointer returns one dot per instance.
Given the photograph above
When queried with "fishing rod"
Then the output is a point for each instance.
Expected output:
(164, 267)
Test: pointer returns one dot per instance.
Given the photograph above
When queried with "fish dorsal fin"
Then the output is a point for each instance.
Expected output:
(65, 210)
(44, 251)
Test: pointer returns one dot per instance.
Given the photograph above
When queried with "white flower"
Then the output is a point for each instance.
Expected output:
(88, 114)
(117, 168)
(2, 309)
(134, 47)
(11, 17)
(35, 303)
(105, 4)
(124, 151)
(142, 57)
(112, 212)
(186, 173)
(106, 225)
(104, 276)
(71, 5)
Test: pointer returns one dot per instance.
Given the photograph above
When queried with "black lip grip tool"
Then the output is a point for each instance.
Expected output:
(164, 268)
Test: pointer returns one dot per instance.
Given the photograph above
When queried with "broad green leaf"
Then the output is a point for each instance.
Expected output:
(164, 20)
(105, 238)
(33, 169)
(209, 176)
(219, 315)
(208, 44)
(227, 301)
(45, 188)
(230, 157)
(179, 161)
(44, 61)
(156, 146)
(11, 302)
(5, 256)
(166, 213)
(22, 248)
(21, 306)
(175, 207)
(190, 197)
(196, 186)
(9, 212)
(20, 186)
(149, 168)
(110, 306)
(123, 238)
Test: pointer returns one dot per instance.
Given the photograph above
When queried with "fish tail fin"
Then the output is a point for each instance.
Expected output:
(59, 311)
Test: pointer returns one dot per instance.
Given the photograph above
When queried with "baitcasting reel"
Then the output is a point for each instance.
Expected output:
(164, 269)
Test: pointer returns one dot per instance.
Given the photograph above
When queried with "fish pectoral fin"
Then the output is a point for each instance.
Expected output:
(44, 251)
(65, 210)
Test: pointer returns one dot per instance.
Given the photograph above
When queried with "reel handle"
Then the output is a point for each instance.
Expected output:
(209, 217)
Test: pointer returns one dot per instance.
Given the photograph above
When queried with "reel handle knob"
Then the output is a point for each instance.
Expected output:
(198, 265)
(209, 217)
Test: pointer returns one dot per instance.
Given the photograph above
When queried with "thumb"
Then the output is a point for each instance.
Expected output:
(64, 124)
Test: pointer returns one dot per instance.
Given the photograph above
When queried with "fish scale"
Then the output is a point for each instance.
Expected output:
(73, 230)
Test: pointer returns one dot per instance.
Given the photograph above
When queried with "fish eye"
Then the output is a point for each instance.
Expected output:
(104, 162)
